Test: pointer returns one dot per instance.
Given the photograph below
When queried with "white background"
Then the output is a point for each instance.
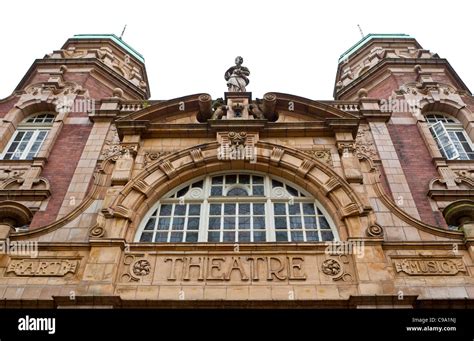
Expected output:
(290, 46)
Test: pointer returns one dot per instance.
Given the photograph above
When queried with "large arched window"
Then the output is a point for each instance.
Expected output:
(233, 208)
(449, 134)
(29, 137)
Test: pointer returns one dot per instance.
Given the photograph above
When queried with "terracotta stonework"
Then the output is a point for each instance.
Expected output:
(73, 216)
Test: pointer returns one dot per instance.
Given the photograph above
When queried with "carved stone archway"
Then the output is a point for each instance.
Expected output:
(331, 190)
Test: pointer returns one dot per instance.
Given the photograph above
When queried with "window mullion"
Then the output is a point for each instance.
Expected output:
(27, 149)
(204, 221)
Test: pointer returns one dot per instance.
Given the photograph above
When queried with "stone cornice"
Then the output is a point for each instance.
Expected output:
(382, 66)
(99, 67)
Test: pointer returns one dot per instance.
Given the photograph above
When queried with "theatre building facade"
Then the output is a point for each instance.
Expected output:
(111, 199)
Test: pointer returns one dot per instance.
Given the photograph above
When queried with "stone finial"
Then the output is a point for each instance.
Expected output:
(362, 93)
(117, 92)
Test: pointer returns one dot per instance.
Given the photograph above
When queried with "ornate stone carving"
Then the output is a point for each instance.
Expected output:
(430, 266)
(323, 155)
(197, 156)
(364, 144)
(237, 139)
(111, 144)
(123, 64)
(439, 189)
(345, 147)
(141, 267)
(349, 210)
(125, 150)
(276, 155)
(205, 108)
(415, 92)
(331, 267)
(465, 173)
(10, 173)
(136, 268)
(335, 268)
(60, 94)
(151, 156)
(42, 267)
(237, 146)
(376, 55)
(168, 168)
(236, 76)
(121, 212)
(305, 167)
(124, 160)
(142, 187)
(219, 109)
(330, 185)
(375, 230)
(98, 230)
(25, 187)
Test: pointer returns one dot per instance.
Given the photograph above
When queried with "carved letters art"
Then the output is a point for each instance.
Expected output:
(42, 267)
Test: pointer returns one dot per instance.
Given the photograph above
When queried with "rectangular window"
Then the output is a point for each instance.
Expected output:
(25, 144)
(238, 222)
(444, 141)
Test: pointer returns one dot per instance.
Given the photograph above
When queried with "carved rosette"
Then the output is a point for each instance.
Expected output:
(141, 267)
(335, 268)
(331, 267)
(136, 268)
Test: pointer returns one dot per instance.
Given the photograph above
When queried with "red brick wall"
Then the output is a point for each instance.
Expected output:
(6, 106)
(385, 88)
(418, 168)
(60, 168)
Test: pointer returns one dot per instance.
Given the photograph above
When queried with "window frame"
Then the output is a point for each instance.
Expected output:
(449, 125)
(36, 128)
(268, 200)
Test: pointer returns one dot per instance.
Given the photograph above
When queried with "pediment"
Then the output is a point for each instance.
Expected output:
(164, 111)
(199, 111)
(310, 109)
